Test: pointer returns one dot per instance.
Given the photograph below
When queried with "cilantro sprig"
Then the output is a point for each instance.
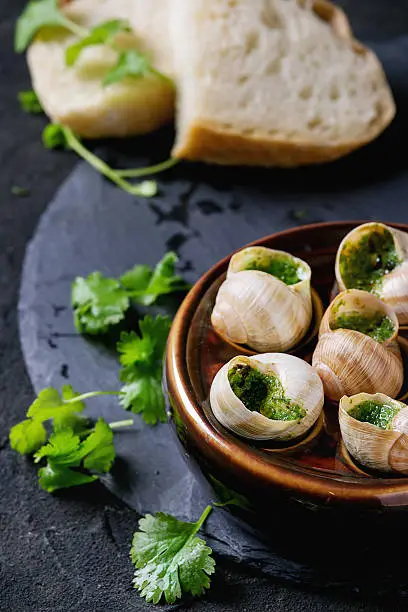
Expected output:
(29, 102)
(142, 359)
(75, 453)
(57, 136)
(99, 302)
(170, 559)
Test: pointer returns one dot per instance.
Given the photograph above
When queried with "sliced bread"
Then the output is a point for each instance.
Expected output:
(75, 95)
(273, 82)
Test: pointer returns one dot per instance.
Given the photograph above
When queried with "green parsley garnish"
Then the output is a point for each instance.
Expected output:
(131, 63)
(47, 13)
(74, 452)
(99, 302)
(29, 102)
(102, 34)
(142, 359)
(39, 14)
(170, 559)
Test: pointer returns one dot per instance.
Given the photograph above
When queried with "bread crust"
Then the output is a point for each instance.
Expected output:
(211, 142)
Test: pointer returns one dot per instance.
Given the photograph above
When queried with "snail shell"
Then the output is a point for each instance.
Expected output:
(392, 286)
(300, 383)
(260, 310)
(379, 449)
(350, 362)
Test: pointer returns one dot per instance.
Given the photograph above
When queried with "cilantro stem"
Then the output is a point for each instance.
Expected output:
(202, 519)
(146, 188)
(85, 396)
(114, 425)
(75, 28)
(137, 172)
(119, 424)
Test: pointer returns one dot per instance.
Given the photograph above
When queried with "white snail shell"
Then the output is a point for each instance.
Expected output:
(301, 385)
(257, 309)
(350, 362)
(379, 449)
(393, 288)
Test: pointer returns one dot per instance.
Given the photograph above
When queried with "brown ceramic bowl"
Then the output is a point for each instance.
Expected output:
(314, 472)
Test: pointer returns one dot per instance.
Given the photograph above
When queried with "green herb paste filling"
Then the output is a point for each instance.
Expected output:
(378, 326)
(281, 267)
(364, 264)
(369, 411)
(264, 394)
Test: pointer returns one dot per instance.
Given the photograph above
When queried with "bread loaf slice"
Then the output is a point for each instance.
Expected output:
(75, 95)
(273, 83)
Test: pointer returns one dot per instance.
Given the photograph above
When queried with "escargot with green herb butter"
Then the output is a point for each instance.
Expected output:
(374, 257)
(358, 349)
(374, 429)
(272, 396)
(265, 301)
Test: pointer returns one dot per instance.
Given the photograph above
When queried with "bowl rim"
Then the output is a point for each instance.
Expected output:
(247, 461)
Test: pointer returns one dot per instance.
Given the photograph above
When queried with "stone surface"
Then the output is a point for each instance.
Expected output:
(70, 551)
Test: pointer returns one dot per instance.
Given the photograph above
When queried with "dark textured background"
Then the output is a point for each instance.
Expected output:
(70, 551)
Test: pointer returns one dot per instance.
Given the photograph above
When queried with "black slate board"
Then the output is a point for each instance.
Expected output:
(203, 213)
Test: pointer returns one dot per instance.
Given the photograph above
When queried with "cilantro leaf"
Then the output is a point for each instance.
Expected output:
(158, 330)
(98, 302)
(26, 437)
(29, 102)
(170, 559)
(65, 451)
(36, 15)
(29, 435)
(135, 350)
(65, 448)
(131, 63)
(228, 496)
(53, 477)
(148, 348)
(98, 450)
(103, 33)
(163, 280)
(51, 405)
(39, 14)
(145, 396)
(53, 137)
(62, 448)
(142, 358)
(137, 278)
(145, 289)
